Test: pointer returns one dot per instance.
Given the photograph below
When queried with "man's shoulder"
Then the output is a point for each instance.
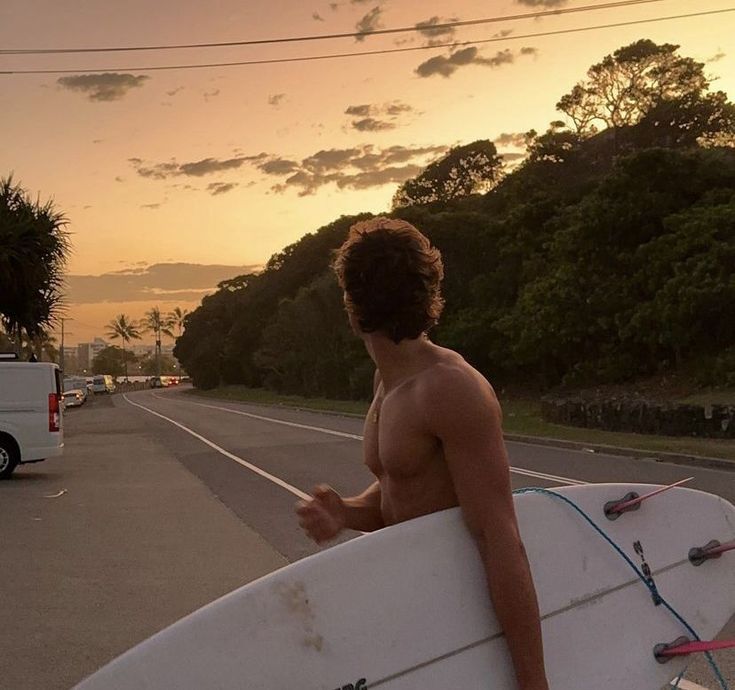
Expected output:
(454, 382)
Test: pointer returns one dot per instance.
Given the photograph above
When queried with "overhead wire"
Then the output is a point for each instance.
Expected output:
(321, 37)
(385, 51)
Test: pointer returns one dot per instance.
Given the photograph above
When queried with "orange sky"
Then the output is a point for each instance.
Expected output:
(216, 169)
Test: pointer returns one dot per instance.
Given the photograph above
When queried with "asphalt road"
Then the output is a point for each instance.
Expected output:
(137, 541)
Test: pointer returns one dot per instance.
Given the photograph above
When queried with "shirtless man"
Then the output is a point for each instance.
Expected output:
(433, 435)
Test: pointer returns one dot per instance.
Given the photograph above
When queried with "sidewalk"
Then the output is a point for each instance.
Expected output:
(134, 543)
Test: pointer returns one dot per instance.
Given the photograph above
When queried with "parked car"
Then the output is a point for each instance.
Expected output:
(74, 398)
(31, 420)
(72, 383)
(103, 383)
(156, 382)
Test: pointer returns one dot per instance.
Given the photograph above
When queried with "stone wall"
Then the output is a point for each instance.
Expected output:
(642, 416)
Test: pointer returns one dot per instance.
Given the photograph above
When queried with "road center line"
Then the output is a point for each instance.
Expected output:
(516, 470)
(227, 454)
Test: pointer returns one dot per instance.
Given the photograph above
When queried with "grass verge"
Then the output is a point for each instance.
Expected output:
(521, 416)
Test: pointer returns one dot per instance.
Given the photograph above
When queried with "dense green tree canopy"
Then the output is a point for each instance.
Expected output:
(464, 170)
(606, 255)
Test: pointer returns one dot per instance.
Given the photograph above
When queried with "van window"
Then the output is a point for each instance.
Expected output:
(98, 379)
(57, 377)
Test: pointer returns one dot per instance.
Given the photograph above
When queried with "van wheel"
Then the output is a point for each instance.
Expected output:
(8, 461)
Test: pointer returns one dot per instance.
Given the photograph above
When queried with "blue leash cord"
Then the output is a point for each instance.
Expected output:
(641, 576)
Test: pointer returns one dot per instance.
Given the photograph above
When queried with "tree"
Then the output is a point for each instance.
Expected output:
(112, 360)
(34, 245)
(177, 318)
(472, 169)
(158, 324)
(149, 365)
(125, 329)
(625, 86)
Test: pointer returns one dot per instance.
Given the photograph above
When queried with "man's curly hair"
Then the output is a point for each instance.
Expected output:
(391, 276)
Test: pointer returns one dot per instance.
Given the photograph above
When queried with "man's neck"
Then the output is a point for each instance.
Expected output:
(397, 362)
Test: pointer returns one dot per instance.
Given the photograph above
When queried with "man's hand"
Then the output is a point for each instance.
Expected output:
(324, 516)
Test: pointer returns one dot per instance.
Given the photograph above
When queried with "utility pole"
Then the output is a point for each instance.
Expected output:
(61, 353)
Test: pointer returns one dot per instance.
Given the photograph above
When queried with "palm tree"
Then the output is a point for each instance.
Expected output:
(125, 329)
(158, 324)
(177, 318)
(34, 245)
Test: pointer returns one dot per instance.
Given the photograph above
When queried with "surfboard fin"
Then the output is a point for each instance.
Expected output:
(683, 646)
(713, 549)
(632, 501)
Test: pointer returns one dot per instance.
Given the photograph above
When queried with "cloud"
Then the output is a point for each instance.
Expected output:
(370, 22)
(359, 110)
(276, 99)
(216, 188)
(108, 86)
(371, 124)
(529, 50)
(429, 28)
(446, 65)
(119, 179)
(719, 55)
(317, 17)
(97, 141)
(516, 139)
(377, 117)
(278, 166)
(208, 95)
(358, 168)
(206, 166)
(397, 108)
(173, 92)
(334, 6)
(151, 206)
(512, 156)
(140, 284)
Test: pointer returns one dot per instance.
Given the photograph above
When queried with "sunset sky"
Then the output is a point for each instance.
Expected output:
(175, 180)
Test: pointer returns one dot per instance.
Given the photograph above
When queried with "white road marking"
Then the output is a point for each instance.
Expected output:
(357, 437)
(227, 454)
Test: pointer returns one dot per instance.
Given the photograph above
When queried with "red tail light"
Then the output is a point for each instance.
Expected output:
(54, 412)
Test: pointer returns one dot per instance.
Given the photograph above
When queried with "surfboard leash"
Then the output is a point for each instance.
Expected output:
(649, 585)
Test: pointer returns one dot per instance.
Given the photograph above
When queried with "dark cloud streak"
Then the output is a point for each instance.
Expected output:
(108, 86)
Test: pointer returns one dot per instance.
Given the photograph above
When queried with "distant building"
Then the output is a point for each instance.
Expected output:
(84, 355)
(86, 352)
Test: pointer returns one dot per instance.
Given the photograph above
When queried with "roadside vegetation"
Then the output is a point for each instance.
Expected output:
(34, 247)
(604, 257)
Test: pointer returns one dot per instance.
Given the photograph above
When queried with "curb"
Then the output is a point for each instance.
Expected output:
(656, 456)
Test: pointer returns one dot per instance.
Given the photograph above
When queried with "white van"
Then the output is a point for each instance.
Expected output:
(30, 413)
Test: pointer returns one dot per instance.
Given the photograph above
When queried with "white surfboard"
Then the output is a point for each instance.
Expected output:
(407, 607)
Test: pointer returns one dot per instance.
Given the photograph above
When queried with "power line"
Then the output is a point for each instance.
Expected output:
(322, 37)
(331, 56)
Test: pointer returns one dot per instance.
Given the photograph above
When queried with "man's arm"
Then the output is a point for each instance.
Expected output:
(463, 412)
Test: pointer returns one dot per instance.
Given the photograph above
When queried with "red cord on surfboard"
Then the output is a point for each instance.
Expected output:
(614, 509)
(714, 549)
(697, 647)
